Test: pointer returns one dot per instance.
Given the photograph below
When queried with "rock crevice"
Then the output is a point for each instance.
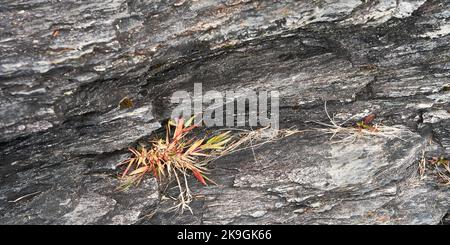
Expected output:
(65, 67)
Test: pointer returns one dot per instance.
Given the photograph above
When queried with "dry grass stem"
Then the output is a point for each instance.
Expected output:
(363, 129)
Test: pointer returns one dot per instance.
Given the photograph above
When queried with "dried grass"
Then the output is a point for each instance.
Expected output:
(362, 130)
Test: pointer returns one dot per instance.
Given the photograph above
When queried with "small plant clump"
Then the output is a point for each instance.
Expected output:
(175, 157)
(441, 165)
(362, 129)
(366, 124)
(180, 155)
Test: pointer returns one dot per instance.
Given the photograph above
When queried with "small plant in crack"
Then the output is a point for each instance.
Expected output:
(438, 165)
(366, 124)
(174, 158)
(180, 155)
(442, 168)
(362, 129)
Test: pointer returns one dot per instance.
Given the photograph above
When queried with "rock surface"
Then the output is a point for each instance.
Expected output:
(65, 66)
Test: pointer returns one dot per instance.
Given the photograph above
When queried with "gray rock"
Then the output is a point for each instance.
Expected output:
(90, 209)
(65, 66)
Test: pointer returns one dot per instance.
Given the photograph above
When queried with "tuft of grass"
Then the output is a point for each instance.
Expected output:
(180, 155)
(174, 158)
(442, 167)
(362, 129)
(439, 166)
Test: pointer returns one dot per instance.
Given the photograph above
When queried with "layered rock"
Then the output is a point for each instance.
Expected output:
(65, 66)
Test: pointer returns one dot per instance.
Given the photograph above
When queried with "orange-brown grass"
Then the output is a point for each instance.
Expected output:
(174, 158)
